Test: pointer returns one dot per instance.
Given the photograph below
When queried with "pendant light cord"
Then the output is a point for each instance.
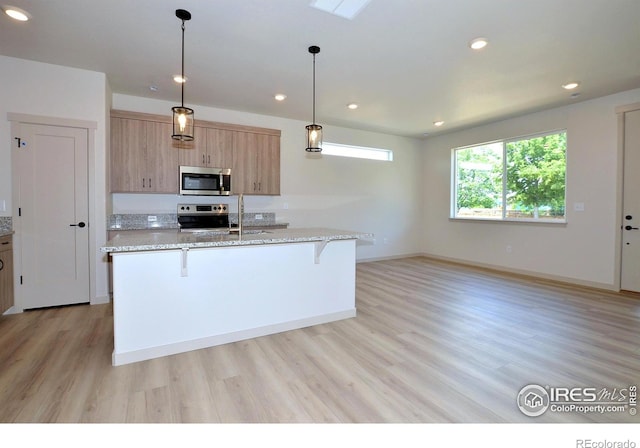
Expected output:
(314, 88)
(183, 78)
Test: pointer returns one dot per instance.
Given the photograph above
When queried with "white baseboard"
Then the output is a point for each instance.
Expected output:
(100, 300)
(522, 272)
(391, 257)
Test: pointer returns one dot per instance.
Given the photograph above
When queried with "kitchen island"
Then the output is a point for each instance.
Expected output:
(174, 292)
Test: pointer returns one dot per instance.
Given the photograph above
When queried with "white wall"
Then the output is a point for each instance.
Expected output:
(583, 250)
(353, 194)
(58, 92)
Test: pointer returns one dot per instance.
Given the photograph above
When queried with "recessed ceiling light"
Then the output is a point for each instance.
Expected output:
(16, 13)
(570, 85)
(352, 106)
(280, 96)
(478, 43)
(438, 123)
(179, 79)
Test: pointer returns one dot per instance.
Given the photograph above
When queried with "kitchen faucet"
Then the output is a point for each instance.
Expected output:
(240, 215)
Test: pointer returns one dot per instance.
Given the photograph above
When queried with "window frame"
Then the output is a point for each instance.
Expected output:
(503, 218)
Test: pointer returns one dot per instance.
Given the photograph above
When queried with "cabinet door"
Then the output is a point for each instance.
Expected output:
(269, 165)
(194, 153)
(160, 167)
(6, 274)
(128, 141)
(220, 145)
(257, 164)
(144, 157)
(245, 164)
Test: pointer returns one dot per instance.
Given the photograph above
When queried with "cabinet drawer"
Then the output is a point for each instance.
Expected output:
(6, 242)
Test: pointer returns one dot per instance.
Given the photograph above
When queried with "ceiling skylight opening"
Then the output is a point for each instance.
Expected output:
(478, 43)
(280, 97)
(347, 9)
(570, 85)
(16, 13)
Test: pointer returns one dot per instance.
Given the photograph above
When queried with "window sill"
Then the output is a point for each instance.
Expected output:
(543, 222)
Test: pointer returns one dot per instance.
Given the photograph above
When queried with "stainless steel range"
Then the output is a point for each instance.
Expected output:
(203, 217)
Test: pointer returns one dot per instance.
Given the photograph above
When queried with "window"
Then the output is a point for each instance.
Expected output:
(360, 152)
(520, 179)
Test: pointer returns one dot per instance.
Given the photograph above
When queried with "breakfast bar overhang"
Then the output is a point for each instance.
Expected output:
(175, 292)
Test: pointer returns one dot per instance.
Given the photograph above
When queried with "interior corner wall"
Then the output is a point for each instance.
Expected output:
(48, 90)
(377, 197)
(584, 250)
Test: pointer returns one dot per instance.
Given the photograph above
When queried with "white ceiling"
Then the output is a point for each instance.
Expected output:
(405, 62)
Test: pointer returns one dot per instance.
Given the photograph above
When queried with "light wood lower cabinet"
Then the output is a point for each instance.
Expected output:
(6, 273)
(144, 158)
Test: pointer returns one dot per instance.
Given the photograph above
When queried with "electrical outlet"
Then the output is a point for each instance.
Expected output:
(285, 206)
(509, 248)
(578, 206)
(385, 240)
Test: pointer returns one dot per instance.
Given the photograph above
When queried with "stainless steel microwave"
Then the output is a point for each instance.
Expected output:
(204, 181)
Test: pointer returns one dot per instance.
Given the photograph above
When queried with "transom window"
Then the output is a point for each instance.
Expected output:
(520, 179)
(359, 152)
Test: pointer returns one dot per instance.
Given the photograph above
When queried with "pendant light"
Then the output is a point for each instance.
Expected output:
(182, 116)
(314, 131)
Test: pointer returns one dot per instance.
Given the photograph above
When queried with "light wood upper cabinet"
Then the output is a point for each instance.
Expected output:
(211, 148)
(195, 153)
(256, 164)
(144, 158)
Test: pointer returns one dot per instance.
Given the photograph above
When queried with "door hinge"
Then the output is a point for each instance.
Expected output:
(21, 279)
(21, 144)
(19, 211)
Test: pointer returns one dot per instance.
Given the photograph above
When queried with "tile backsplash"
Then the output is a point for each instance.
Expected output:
(170, 221)
(6, 224)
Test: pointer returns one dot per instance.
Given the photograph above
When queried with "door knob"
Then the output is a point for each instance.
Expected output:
(80, 224)
(630, 228)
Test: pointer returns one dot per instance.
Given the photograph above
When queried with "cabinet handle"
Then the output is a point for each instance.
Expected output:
(4, 243)
(143, 182)
(149, 182)
(259, 186)
(203, 162)
(209, 160)
(1, 265)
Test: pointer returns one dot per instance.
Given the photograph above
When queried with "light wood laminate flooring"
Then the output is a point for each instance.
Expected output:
(432, 342)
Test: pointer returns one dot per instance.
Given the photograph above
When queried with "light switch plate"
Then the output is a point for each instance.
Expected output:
(578, 206)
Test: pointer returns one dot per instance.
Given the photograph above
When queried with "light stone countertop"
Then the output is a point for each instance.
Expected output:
(166, 240)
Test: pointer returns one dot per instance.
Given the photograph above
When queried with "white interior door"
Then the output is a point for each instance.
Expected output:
(630, 268)
(53, 215)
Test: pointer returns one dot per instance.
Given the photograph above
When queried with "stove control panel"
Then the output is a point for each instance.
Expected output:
(203, 209)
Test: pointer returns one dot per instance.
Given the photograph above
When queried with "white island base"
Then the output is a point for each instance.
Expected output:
(171, 301)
